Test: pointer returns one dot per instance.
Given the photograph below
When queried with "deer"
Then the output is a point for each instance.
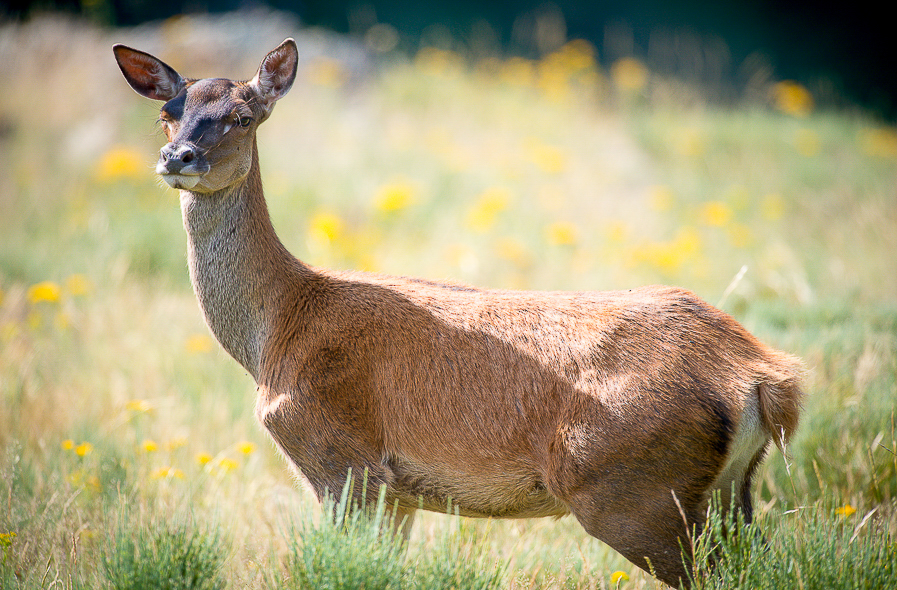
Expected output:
(627, 409)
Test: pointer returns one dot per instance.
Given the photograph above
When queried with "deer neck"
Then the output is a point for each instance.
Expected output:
(239, 268)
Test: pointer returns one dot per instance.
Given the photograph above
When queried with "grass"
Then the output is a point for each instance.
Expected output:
(122, 421)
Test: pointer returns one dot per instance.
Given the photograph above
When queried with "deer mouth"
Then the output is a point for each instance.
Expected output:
(176, 175)
(180, 180)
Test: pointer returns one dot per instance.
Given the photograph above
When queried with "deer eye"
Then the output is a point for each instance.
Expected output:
(244, 121)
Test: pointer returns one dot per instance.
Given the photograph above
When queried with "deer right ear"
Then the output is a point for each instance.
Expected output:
(148, 76)
(276, 74)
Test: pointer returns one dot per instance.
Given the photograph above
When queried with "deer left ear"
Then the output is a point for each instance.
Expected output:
(276, 74)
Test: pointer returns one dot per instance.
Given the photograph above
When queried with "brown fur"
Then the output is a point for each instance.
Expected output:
(620, 407)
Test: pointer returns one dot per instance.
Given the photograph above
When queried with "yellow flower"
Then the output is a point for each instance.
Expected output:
(394, 196)
(46, 291)
(246, 447)
(198, 344)
(618, 576)
(845, 511)
(84, 449)
(203, 458)
(149, 446)
(326, 226)
(561, 234)
(121, 162)
(68, 444)
(629, 74)
(227, 465)
(549, 159)
(716, 213)
(792, 98)
(6, 539)
(167, 472)
(140, 406)
(78, 285)
(481, 217)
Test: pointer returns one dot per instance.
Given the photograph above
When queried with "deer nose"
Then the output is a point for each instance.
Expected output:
(174, 158)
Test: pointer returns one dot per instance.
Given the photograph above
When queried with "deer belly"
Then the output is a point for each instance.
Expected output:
(498, 491)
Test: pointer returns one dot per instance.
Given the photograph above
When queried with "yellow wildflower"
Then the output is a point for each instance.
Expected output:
(394, 196)
(481, 217)
(203, 458)
(561, 234)
(618, 576)
(792, 98)
(198, 344)
(549, 159)
(326, 227)
(227, 465)
(140, 406)
(167, 472)
(246, 447)
(845, 511)
(629, 74)
(47, 291)
(149, 446)
(121, 162)
(84, 449)
(716, 213)
(68, 444)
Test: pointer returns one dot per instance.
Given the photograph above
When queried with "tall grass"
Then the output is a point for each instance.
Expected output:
(552, 173)
(355, 546)
(814, 547)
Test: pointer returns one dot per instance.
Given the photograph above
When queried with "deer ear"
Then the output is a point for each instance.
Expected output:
(148, 75)
(276, 74)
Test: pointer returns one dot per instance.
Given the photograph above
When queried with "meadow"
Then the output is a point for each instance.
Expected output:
(128, 443)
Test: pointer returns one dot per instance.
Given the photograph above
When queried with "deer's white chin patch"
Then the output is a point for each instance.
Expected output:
(181, 181)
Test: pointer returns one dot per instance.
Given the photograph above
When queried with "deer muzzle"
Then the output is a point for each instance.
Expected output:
(181, 166)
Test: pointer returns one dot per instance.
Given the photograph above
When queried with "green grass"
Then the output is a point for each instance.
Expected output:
(813, 547)
(119, 414)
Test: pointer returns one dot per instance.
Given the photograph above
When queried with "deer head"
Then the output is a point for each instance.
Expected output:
(210, 124)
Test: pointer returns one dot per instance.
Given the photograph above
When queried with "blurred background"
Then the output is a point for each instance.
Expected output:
(842, 51)
(745, 151)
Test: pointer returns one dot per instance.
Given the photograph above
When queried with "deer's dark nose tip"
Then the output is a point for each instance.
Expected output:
(175, 157)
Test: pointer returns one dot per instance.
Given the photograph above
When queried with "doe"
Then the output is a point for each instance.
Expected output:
(627, 409)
